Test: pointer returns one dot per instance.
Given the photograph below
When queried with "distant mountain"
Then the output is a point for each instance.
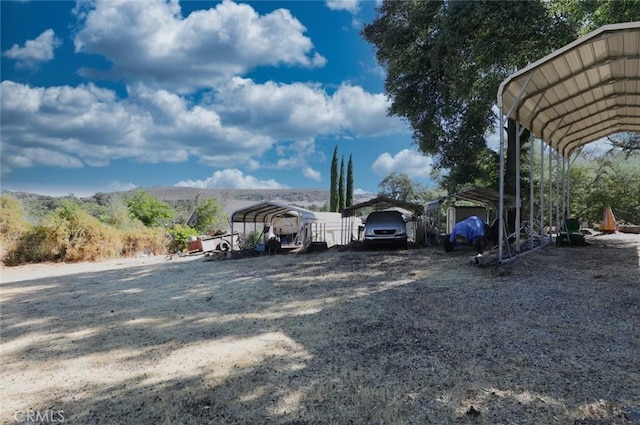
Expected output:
(231, 199)
(298, 196)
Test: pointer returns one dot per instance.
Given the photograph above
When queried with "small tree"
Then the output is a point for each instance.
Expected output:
(210, 215)
(334, 199)
(399, 186)
(149, 210)
(349, 194)
(341, 188)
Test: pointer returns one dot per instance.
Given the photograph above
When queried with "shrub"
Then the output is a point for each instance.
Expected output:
(143, 241)
(12, 221)
(149, 210)
(71, 234)
(180, 236)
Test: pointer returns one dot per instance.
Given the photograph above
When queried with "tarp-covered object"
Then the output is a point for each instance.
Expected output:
(470, 228)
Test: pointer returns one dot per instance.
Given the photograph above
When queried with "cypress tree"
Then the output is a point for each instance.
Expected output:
(341, 195)
(333, 198)
(349, 195)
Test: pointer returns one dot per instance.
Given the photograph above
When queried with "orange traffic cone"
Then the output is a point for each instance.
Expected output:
(608, 224)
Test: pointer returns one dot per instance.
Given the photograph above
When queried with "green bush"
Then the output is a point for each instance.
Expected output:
(71, 234)
(149, 210)
(180, 237)
(12, 221)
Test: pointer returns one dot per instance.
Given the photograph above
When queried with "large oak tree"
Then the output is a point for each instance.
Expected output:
(446, 59)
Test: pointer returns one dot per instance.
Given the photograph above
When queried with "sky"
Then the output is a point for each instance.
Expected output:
(103, 96)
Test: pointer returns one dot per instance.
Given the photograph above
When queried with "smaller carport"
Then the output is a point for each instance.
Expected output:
(295, 227)
(383, 202)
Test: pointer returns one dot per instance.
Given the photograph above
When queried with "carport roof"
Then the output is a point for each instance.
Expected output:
(485, 197)
(416, 209)
(585, 91)
(264, 211)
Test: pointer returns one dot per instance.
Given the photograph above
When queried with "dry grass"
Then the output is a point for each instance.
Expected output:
(408, 337)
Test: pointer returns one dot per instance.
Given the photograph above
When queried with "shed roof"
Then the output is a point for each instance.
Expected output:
(265, 211)
(587, 90)
(383, 200)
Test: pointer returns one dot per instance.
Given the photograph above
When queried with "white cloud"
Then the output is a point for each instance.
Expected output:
(409, 162)
(89, 125)
(298, 110)
(35, 51)
(351, 6)
(231, 179)
(151, 41)
(312, 174)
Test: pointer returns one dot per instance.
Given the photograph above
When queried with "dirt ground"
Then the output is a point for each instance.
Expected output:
(385, 337)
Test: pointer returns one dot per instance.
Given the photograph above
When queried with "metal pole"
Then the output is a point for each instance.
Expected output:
(517, 177)
(550, 199)
(542, 187)
(531, 205)
(569, 186)
(564, 189)
(557, 194)
(501, 199)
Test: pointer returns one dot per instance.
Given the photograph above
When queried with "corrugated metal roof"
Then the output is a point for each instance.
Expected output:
(262, 212)
(585, 91)
(384, 202)
(485, 197)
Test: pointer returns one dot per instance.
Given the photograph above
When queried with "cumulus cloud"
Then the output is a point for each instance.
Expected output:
(35, 51)
(304, 110)
(152, 42)
(409, 162)
(312, 174)
(231, 179)
(351, 6)
(90, 125)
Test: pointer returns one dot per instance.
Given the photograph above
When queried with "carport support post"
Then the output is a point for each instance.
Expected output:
(531, 205)
(501, 234)
(569, 162)
(517, 177)
(557, 194)
(231, 236)
(563, 210)
(550, 192)
(541, 188)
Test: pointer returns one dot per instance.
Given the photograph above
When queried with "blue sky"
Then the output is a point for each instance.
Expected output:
(101, 96)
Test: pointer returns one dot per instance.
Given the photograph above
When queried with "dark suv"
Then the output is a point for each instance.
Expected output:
(385, 228)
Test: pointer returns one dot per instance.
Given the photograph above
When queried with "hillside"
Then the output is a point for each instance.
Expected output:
(182, 199)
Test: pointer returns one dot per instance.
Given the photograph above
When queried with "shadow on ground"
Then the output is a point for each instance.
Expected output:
(415, 336)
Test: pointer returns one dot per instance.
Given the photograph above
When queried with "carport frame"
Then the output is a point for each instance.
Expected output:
(580, 93)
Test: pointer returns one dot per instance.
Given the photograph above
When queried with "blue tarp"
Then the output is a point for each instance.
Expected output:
(471, 228)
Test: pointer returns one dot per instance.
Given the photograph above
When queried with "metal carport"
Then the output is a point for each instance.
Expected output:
(585, 91)
(265, 212)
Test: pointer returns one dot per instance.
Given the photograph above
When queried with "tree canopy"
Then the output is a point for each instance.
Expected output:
(446, 59)
(210, 216)
(149, 210)
(399, 186)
